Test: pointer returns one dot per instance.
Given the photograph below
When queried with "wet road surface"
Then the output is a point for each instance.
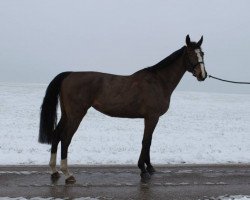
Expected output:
(181, 182)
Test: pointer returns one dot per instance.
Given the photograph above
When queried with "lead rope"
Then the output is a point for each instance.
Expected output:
(210, 76)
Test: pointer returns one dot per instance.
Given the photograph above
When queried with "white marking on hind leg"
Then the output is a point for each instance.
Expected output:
(64, 168)
(52, 163)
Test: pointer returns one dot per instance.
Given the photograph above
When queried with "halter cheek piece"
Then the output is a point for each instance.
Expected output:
(194, 65)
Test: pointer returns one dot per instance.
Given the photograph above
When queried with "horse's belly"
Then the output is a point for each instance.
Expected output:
(127, 110)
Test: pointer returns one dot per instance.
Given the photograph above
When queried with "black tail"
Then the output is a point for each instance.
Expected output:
(48, 117)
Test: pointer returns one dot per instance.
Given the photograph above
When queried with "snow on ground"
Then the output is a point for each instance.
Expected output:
(198, 128)
(235, 197)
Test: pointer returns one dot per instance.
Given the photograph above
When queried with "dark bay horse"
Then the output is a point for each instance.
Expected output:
(144, 94)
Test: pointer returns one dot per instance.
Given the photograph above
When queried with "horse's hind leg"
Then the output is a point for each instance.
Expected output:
(55, 140)
(71, 127)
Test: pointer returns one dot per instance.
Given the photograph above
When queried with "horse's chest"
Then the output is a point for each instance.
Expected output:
(163, 106)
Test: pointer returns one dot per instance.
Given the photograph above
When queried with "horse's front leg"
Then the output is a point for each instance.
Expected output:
(150, 124)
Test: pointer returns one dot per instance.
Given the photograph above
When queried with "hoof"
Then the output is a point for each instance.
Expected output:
(70, 180)
(151, 170)
(55, 176)
(145, 176)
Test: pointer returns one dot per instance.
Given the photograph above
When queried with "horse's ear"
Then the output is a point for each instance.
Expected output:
(200, 42)
(188, 40)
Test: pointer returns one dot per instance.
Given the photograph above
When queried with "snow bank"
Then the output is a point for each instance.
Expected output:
(235, 197)
(198, 128)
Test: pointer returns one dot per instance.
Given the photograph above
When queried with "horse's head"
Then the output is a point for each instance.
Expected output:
(195, 59)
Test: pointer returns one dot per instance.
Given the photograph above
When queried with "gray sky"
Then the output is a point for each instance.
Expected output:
(39, 39)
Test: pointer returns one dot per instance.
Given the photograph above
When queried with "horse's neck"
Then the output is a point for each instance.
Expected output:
(171, 75)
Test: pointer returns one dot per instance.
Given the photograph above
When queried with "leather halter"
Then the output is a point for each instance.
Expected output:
(191, 65)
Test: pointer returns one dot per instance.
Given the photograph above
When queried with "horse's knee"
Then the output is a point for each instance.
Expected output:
(146, 143)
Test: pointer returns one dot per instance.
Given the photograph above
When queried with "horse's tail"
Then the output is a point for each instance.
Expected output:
(48, 117)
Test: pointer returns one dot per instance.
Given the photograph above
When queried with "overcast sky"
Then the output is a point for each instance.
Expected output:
(39, 39)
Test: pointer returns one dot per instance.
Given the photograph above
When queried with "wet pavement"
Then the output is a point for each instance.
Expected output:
(181, 182)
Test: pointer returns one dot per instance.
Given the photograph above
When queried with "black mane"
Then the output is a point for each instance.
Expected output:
(166, 61)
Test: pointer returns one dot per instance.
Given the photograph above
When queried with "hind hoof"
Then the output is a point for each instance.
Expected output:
(151, 170)
(145, 176)
(70, 180)
(55, 176)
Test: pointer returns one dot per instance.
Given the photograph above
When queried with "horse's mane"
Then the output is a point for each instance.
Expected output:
(166, 61)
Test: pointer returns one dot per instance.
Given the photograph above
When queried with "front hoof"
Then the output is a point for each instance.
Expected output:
(151, 170)
(70, 180)
(55, 176)
(145, 176)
